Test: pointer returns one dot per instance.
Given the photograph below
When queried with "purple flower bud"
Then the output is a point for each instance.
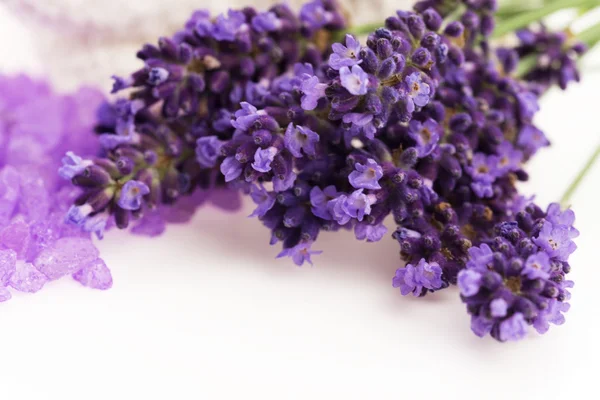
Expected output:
(421, 57)
(416, 26)
(432, 19)
(487, 25)
(454, 29)
(384, 49)
(369, 60)
(470, 20)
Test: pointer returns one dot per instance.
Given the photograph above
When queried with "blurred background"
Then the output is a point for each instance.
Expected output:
(95, 39)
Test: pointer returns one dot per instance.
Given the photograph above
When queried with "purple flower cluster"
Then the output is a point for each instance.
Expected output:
(517, 278)
(419, 122)
(555, 55)
(169, 137)
(36, 128)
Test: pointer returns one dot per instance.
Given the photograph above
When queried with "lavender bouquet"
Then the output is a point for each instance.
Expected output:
(425, 119)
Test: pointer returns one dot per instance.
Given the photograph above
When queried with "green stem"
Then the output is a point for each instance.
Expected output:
(358, 30)
(590, 36)
(564, 201)
(526, 18)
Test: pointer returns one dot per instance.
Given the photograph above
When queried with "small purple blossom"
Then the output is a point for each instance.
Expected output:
(312, 91)
(345, 56)
(531, 139)
(537, 266)
(319, 200)
(509, 158)
(299, 138)
(77, 214)
(370, 232)
(246, 116)
(558, 217)
(72, 165)
(207, 150)
(231, 168)
(281, 184)
(498, 308)
(131, 195)
(314, 15)
(414, 278)
(418, 91)
(120, 83)
(528, 105)
(358, 204)
(355, 81)
(556, 241)
(552, 314)
(366, 176)
(125, 133)
(226, 27)
(483, 170)
(263, 159)
(266, 22)
(263, 199)
(300, 253)
(469, 282)
(337, 209)
(361, 121)
(513, 328)
(425, 134)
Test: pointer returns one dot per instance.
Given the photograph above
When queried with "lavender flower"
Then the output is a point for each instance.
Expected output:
(366, 176)
(418, 278)
(345, 56)
(355, 80)
(519, 278)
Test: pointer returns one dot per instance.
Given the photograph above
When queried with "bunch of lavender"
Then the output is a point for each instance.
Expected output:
(423, 122)
(165, 140)
(36, 128)
(517, 278)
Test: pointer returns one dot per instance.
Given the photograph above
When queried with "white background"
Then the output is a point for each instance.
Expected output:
(206, 312)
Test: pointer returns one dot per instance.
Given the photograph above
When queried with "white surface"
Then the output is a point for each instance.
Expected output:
(206, 312)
